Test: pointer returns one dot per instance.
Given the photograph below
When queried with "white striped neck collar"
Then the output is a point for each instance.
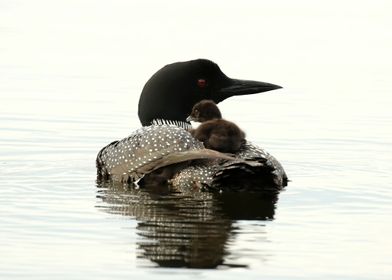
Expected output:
(182, 124)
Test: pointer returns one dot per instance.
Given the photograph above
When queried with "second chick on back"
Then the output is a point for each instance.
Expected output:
(215, 132)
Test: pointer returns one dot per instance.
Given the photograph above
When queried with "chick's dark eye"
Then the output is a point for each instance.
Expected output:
(201, 83)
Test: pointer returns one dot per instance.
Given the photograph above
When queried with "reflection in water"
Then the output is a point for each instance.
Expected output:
(184, 229)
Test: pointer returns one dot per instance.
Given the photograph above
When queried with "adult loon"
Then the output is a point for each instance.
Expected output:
(163, 145)
(215, 133)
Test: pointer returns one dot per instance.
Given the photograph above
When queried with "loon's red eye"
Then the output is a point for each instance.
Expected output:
(201, 83)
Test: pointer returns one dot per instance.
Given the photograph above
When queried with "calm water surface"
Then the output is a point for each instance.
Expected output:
(333, 221)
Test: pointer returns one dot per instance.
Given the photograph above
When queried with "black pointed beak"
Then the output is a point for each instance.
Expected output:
(243, 87)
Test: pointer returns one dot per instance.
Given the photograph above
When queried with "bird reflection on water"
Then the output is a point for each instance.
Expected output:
(185, 229)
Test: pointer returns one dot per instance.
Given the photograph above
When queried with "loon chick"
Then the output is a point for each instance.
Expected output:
(165, 102)
(216, 133)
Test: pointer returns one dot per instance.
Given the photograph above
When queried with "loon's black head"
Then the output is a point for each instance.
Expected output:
(172, 91)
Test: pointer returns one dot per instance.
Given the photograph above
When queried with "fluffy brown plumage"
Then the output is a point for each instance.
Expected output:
(216, 133)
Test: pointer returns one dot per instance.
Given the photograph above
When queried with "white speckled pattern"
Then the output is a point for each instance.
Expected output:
(196, 176)
(249, 161)
(125, 158)
(144, 150)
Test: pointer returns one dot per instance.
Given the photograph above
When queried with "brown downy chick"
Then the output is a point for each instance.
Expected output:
(215, 132)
